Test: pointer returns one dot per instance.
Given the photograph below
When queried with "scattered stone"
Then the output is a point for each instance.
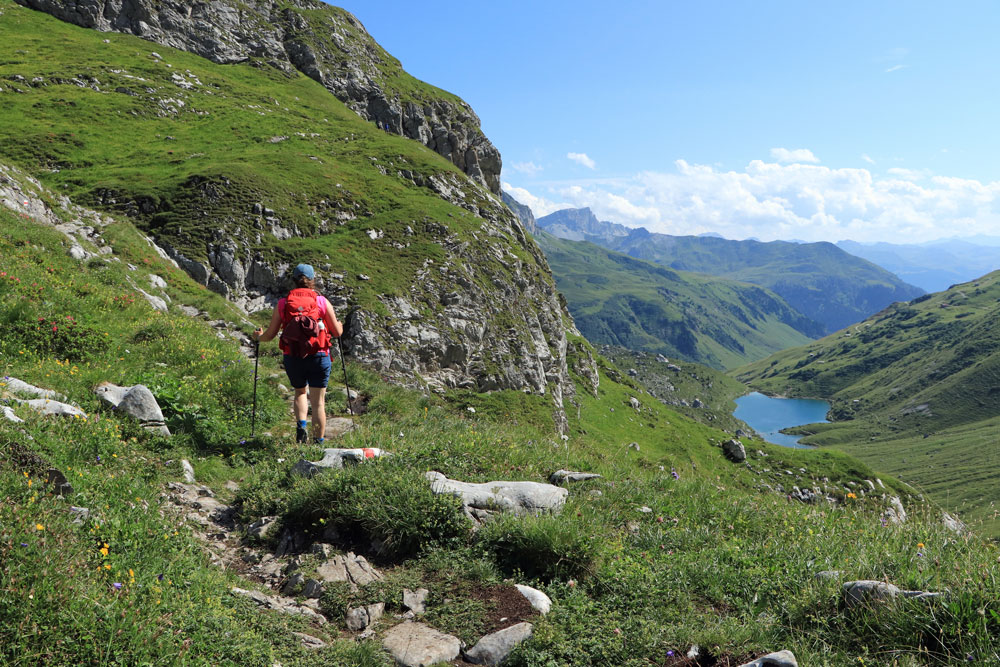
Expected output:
(633, 445)
(778, 659)
(280, 604)
(896, 514)
(312, 589)
(539, 600)
(359, 618)
(355, 570)
(309, 641)
(953, 524)
(188, 471)
(416, 601)
(80, 515)
(827, 574)
(634, 402)
(335, 458)
(418, 645)
(50, 408)
(263, 527)
(136, 401)
(645, 510)
(516, 497)
(232, 485)
(560, 476)
(293, 584)
(60, 485)
(697, 403)
(871, 484)
(596, 493)
(734, 451)
(494, 648)
(8, 413)
(13, 385)
(856, 593)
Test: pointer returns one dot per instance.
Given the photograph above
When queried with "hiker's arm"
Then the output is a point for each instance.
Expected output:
(334, 325)
(272, 329)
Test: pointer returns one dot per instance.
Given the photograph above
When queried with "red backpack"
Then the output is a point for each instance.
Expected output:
(304, 333)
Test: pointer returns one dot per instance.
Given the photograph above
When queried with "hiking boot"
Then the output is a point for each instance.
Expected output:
(301, 435)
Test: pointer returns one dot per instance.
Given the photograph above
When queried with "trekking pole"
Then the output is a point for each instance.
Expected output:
(253, 414)
(343, 364)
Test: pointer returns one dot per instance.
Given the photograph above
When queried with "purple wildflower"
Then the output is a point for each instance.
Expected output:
(24, 544)
(98, 458)
(920, 554)
(670, 654)
(159, 577)
(673, 473)
(117, 586)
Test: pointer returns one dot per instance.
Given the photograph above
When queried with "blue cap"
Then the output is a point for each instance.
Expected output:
(304, 270)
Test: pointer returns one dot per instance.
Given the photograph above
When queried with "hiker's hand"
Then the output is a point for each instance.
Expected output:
(257, 333)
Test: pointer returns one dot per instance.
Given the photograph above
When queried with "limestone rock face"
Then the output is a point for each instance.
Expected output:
(333, 48)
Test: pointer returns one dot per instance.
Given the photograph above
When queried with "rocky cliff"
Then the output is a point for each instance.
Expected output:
(435, 278)
(325, 43)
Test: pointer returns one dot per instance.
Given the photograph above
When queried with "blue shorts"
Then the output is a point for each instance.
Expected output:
(313, 371)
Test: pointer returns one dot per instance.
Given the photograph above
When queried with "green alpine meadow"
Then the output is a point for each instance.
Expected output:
(517, 469)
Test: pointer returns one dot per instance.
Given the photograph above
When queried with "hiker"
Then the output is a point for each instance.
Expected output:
(308, 325)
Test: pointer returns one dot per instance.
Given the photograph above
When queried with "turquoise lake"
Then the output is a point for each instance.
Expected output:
(768, 416)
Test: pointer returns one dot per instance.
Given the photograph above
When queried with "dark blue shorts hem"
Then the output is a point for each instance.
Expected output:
(313, 371)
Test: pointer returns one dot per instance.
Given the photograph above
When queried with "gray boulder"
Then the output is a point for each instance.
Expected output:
(515, 497)
(359, 618)
(353, 569)
(560, 476)
(865, 591)
(335, 458)
(778, 659)
(50, 408)
(734, 451)
(136, 401)
(416, 601)
(14, 386)
(495, 647)
(418, 645)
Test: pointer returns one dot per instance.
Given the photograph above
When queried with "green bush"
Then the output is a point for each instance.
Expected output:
(544, 547)
(380, 503)
(60, 337)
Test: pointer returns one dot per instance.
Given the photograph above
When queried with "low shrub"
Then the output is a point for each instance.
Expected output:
(381, 504)
(545, 547)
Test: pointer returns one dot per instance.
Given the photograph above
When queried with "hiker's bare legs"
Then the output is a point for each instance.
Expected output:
(317, 398)
(300, 405)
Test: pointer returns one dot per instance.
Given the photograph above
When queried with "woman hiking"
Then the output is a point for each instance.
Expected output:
(308, 325)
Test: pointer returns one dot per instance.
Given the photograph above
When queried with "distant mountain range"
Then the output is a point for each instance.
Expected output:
(820, 280)
(620, 300)
(934, 266)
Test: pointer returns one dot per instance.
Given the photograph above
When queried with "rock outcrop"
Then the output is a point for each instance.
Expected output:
(325, 43)
(480, 501)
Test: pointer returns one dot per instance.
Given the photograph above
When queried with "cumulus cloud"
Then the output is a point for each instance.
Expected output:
(582, 158)
(771, 201)
(540, 206)
(785, 156)
(526, 168)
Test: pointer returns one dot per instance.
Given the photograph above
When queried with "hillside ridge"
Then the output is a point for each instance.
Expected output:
(327, 44)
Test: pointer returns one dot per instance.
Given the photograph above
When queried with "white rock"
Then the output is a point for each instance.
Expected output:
(188, 471)
(539, 600)
(8, 413)
(517, 497)
(778, 659)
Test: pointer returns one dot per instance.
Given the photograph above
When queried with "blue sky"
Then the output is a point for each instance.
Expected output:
(815, 121)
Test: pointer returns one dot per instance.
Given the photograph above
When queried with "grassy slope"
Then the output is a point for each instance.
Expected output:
(914, 391)
(618, 300)
(187, 174)
(805, 275)
(729, 567)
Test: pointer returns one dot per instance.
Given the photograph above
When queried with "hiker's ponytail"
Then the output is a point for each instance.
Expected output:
(302, 281)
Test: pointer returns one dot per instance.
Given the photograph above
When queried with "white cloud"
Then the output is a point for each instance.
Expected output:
(867, 158)
(786, 156)
(771, 201)
(538, 205)
(895, 68)
(526, 168)
(582, 158)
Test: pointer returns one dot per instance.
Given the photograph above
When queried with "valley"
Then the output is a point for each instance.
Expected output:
(531, 457)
